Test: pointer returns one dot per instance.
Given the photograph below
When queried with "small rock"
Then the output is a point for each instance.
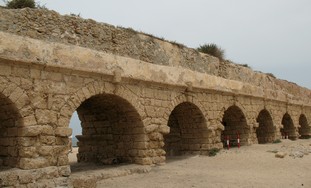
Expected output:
(280, 154)
(296, 154)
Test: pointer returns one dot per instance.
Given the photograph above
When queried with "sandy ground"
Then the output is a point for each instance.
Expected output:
(249, 166)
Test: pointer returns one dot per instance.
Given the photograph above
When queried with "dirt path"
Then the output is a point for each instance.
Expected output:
(247, 167)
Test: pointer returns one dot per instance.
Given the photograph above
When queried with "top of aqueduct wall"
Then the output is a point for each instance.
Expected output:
(51, 28)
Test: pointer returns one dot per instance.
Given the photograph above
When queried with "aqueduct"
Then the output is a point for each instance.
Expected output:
(140, 99)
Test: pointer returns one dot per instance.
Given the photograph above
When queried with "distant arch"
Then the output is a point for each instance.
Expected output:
(288, 129)
(234, 122)
(266, 129)
(188, 130)
(304, 129)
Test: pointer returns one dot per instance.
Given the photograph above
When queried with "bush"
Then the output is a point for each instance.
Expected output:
(18, 4)
(212, 49)
(277, 141)
(213, 152)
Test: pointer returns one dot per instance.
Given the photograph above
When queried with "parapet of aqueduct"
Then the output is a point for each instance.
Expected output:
(139, 98)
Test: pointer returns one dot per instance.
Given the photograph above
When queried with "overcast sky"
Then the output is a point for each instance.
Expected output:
(272, 36)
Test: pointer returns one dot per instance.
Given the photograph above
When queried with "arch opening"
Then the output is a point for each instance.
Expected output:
(304, 130)
(266, 130)
(235, 123)
(112, 131)
(9, 119)
(188, 131)
(288, 127)
(75, 125)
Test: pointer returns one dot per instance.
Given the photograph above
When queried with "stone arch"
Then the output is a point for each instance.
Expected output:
(266, 130)
(234, 122)
(18, 96)
(96, 88)
(181, 99)
(9, 119)
(112, 129)
(17, 121)
(304, 129)
(288, 127)
(188, 130)
(238, 105)
(112, 123)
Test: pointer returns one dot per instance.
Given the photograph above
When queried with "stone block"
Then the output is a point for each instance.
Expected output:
(63, 131)
(27, 141)
(47, 130)
(151, 128)
(55, 76)
(45, 150)
(164, 129)
(21, 72)
(9, 179)
(61, 140)
(26, 177)
(155, 136)
(5, 70)
(35, 73)
(46, 116)
(62, 160)
(47, 140)
(64, 171)
(63, 121)
(158, 160)
(50, 172)
(29, 120)
(33, 163)
(13, 151)
(28, 152)
(29, 131)
(16, 94)
(143, 161)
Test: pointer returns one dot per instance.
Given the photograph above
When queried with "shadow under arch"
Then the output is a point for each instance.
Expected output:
(188, 131)
(10, 119)
(288, 127)
(266, 130)
(112, 131)
(235, 123)
(305, 129)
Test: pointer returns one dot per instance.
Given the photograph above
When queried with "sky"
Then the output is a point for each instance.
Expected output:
(271, 36)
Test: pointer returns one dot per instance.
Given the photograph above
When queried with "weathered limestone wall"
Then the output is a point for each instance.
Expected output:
(139, 99)
(50, 26)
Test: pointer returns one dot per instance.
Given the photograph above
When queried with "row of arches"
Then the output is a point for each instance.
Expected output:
(117, 126)
(113, 129)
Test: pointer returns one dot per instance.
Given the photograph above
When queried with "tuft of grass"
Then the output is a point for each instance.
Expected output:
(245, 65)
(19, 4)
(271, 75)
(212, 49)
(276, 141)
(213, 152)
(273, 151)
